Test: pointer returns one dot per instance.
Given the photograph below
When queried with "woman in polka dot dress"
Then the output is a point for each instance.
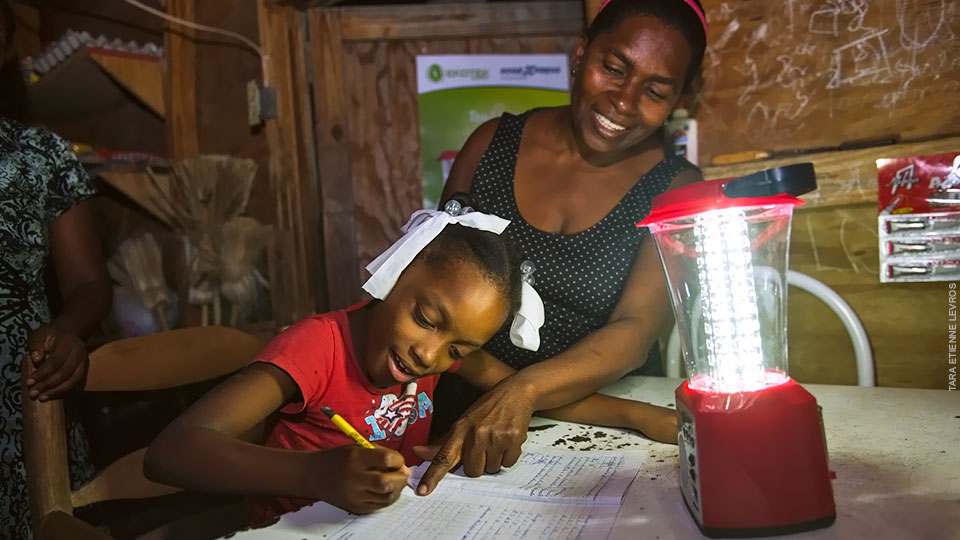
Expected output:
(574, 181)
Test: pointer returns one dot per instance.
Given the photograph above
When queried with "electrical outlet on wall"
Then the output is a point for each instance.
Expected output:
(261, 103)
(253, 103)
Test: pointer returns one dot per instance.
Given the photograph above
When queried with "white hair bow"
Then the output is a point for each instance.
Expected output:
(420, 230)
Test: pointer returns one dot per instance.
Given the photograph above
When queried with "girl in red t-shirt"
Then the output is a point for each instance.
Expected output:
(440, 293)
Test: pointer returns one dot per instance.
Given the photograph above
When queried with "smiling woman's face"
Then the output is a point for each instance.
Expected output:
(628, 81)
(432, 317)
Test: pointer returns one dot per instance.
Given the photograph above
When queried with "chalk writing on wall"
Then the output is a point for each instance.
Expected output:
(802, 74)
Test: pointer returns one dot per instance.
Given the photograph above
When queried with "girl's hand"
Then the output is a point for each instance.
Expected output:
(60, 360)
(359, 480)
(657, 423)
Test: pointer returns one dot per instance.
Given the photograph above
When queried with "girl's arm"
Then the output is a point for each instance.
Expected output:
(484, 371)
(201, 450)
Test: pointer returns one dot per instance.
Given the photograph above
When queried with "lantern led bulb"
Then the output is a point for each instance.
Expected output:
(731, 321)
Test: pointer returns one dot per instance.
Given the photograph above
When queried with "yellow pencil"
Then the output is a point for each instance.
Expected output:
(346, 428)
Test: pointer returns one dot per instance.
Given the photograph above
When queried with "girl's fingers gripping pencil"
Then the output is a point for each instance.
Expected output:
(346, 428)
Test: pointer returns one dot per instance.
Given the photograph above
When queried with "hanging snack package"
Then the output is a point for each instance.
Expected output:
(919, 222)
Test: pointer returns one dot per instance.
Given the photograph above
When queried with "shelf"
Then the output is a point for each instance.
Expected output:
(94, 81)
(141, 75)
(134, 182)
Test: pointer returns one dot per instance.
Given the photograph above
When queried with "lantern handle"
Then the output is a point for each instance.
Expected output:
(794, 180)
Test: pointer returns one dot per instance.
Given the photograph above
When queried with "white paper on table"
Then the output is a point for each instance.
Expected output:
(547, 495)
(551, 476)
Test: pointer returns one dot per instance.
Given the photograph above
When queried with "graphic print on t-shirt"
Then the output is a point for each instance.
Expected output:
(393, 414)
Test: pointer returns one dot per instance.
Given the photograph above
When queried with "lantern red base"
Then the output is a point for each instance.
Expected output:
(754, 463)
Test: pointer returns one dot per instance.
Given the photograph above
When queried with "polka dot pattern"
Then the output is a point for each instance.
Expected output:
(579, 276)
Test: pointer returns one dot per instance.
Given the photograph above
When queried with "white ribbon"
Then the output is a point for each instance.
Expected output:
(525, 330)
(420, 230)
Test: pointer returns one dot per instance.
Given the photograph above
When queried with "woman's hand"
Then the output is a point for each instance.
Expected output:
(359, 480)
(487, 437)
(60, 362)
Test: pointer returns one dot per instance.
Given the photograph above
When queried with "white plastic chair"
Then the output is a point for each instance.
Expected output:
(861, 343)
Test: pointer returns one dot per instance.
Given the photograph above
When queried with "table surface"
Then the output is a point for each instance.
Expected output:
(896, 454)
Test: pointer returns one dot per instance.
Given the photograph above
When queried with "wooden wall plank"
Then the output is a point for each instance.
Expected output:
(846, 177)
(384, 142)
(287, 170)
(906, 322)
(224, 66)
(331, 128)
(309, 195)
(461, 20)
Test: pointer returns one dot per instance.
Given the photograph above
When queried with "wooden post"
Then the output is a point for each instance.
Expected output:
(180, 85)
(333, 151)
(45, 455)
(181, 82)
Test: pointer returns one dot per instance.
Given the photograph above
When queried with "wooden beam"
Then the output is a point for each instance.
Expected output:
(333, 157)
(843, 177)
(181, 82)
(439, 21)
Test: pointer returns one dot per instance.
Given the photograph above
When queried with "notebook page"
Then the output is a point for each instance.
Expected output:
(551, 476)
(450, 514)
(551, 495)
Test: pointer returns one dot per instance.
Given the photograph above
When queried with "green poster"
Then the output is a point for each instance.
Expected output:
(457, 93)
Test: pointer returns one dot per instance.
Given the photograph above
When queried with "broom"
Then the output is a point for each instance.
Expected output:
(138, 264)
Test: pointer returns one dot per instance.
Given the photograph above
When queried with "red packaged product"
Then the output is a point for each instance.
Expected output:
(919, 185)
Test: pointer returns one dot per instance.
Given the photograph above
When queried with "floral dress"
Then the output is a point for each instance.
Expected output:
(40, 179)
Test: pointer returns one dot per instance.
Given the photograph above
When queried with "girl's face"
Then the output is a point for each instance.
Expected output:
(431, 318)
(628, 80)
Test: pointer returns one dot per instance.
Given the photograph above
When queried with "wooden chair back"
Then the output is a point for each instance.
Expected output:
(151, 362)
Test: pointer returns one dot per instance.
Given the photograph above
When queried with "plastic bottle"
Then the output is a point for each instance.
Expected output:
(681, 135)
